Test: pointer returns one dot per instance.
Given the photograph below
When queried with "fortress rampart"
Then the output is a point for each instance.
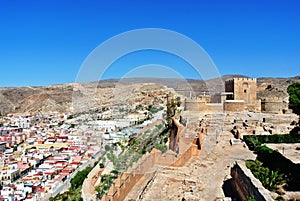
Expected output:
(239, 96)
(234, 105)
(148, 163)
(274, 105)
(201, 105)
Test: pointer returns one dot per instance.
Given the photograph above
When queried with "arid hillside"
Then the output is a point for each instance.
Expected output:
(80, 97)
(105, 94)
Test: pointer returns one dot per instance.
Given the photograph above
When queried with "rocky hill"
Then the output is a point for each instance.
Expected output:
(106, 94)
(80, 97)
(275, 87)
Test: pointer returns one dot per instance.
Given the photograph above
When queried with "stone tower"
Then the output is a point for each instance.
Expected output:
(244, 89)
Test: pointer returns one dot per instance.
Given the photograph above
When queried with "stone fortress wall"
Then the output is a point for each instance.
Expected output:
(200, 105)
(233, 106)
(146, 166)
(239, 96)
(274, 105)
(246, 184)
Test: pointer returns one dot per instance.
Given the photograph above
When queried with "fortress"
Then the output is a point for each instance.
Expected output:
(239, 96)
(198, 126)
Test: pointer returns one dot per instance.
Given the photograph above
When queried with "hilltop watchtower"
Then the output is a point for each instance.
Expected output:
(243, 89)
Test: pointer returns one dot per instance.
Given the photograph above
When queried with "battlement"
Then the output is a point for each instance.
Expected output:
(244, 79)
(199, 99)
(272, 99)
(240, 79)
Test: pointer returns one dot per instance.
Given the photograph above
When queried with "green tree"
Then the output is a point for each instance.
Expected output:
(107, 147)
(114, 173)
(79, 178)
(101, 165)
(270, 179)
(294, 92)
(250, 198)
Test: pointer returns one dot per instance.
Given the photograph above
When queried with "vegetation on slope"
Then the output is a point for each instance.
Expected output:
(132, 150)
(106, 181)
(79, 178)
(74, 192)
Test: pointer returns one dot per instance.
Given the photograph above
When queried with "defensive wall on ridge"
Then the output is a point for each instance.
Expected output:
(148, 163)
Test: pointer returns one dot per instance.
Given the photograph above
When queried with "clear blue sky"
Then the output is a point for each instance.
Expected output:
(45, 42)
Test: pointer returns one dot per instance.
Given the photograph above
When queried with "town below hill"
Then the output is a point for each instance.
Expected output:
(150, 139)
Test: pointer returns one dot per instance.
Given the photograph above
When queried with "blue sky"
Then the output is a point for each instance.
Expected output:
(46, 42)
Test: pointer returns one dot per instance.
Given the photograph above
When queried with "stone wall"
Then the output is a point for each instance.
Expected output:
(195, 104)
(214, 107)
(175, 131)
(254, 107)
(146, 165)
(246, 184)
(234, 105)
(187, 155)
(124, 184)
(199, 105)
(274, 105)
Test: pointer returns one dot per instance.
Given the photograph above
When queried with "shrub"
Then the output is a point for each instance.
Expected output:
(250, 198)
(101, 165)
(270, 179)
(79, 178)
(294, 99)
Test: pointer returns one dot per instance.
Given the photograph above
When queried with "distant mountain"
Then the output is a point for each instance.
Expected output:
(59, 97)
(275, 87)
